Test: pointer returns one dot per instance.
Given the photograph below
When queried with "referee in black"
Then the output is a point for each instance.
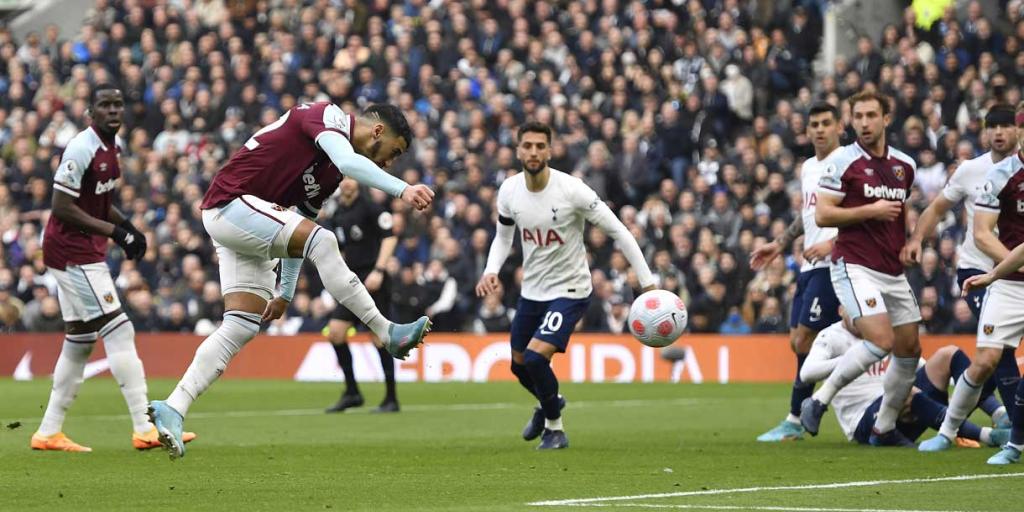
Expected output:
(364, 233)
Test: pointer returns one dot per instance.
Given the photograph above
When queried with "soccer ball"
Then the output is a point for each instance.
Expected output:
(657, 318)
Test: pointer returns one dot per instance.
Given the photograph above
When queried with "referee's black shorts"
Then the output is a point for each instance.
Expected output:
(381, 297)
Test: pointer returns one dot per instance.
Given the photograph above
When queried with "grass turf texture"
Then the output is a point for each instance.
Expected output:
(266, 446)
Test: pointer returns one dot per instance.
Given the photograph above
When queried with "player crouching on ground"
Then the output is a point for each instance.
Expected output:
(858, 402)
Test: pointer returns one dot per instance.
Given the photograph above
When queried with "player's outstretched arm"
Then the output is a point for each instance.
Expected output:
(600, 215)
(1013, 262)
(766, 253)
(911, 252)
(821, 360)
(500, 249)
(363, 170)
(828, 213)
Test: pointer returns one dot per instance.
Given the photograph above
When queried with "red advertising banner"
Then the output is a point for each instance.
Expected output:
(449, 357)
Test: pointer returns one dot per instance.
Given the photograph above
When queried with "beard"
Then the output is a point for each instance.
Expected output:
(534, 171)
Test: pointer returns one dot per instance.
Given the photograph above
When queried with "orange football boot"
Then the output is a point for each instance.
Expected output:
(57, 442)
(149, 440)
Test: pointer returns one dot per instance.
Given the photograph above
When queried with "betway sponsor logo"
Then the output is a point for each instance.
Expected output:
(884, 192)
(102, 187)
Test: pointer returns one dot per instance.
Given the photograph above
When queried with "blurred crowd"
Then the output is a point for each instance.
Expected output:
(687, 116)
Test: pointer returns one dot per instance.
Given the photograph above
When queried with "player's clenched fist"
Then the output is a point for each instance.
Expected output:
(419, 196)
(488, 284)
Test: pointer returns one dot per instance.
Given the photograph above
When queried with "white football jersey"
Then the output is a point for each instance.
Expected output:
(810, 174)
(551, 226)
(851, 401)
(966, 185)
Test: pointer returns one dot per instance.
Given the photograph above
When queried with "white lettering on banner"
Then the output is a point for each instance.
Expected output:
(24, 369)
(690, 365)
(884, 192)
(578, 363)
(491, 355)
(451, 362)
(439, 357)
(723, 364)
(646, 364)
(600, 352)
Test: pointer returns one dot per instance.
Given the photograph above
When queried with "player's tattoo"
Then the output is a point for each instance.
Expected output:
(795, 229)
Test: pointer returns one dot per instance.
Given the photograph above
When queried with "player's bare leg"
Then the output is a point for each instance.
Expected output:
(320, 247)
(800, 340)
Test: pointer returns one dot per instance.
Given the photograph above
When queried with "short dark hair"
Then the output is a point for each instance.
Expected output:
(393, 118)
(534, 127)
(101, 87)
(820, 107)
(870, 95)
(1000, 115)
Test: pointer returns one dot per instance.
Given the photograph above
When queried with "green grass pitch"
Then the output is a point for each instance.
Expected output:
(266, 446)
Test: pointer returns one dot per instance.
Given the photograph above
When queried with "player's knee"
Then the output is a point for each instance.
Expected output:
(518, 369)
(240, 326)
(984, 363)
(533, 359)
(337, 334)
(322, 245)
(118, 335)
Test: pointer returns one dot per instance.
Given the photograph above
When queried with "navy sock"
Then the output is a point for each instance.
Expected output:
(523, 375)
(545, 383)
(989, 404)
(345, 362)
(387, 363)
(1017, 431)
(958, 364)
(801, 390)
(969, 431)
(1007, 377)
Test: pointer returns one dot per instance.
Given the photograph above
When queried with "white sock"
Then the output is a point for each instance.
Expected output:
(212, 357)
(322, 250)
(1015, 446)
(68, 375)
(793, 419)
(119, 341)
(899, 380)
(999, 413)
(986, 436)
(961, 403)
(555, 424)
(854, 363)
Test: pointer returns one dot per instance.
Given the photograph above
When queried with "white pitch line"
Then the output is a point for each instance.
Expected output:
(412, 408)
(739, 490)
(756, 507)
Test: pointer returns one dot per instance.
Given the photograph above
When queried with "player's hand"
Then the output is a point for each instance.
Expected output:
(818, 251)
(487, 285)
(886, 211)
(911, 253)
(275, 308)
(132, 242)
(419, 196)
(764, 255)
(373, 280)
(976, 282)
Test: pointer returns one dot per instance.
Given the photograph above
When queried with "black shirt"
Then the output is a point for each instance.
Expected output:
(360, 228)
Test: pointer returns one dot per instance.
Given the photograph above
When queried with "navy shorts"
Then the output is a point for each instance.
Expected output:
(552, 321)
(977, 295)
(910, 430)
(815, 304)
(921, 382)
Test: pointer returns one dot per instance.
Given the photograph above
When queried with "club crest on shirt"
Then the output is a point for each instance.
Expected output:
(109, 298)
(899, 172)
(869, 171)
(103, 167)
(989, 328)
(871, 302)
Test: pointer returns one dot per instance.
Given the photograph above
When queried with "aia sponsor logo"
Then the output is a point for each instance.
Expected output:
(543, 240)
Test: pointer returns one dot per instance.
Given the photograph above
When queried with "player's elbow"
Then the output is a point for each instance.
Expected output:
(823, 218)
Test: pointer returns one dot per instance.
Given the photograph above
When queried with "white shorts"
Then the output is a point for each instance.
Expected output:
(1001, 322)
(249, 235)
(866, 292)
(85, 292)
